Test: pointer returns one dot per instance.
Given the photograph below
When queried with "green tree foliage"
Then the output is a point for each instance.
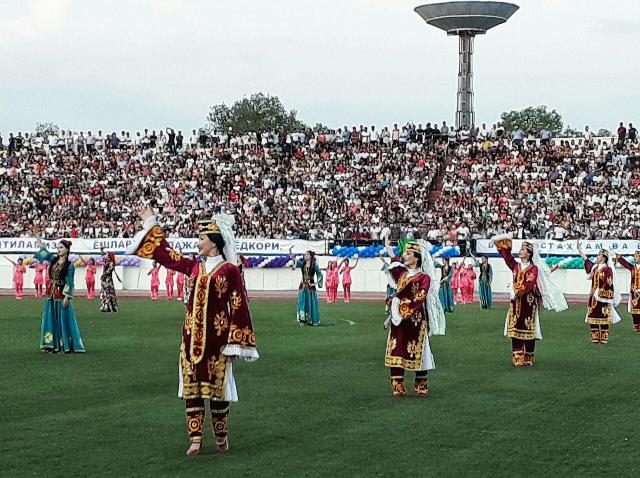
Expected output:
(604, 132)
(259, 112)
(535, 118)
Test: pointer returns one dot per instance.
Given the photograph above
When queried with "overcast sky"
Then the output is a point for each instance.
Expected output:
(120, 64)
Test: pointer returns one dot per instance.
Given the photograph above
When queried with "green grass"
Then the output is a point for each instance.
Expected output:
(318, 402)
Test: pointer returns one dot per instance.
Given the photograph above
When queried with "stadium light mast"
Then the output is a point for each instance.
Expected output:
(466, 20)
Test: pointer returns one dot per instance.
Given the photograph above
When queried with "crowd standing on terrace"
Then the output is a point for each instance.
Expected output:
(360, 182)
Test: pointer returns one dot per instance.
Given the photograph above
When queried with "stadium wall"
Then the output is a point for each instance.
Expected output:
(367, 277)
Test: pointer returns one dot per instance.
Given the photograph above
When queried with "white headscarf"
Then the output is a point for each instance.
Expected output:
(617, 295)
(225, 223)
(437, 321)
(552, 296)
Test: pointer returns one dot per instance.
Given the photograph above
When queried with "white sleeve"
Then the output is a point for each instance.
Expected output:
(137, 239)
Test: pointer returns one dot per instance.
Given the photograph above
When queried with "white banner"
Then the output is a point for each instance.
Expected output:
(187, 246)
(623, 247)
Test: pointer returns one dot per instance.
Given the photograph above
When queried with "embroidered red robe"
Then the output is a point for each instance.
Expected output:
(405, 343)
(523, 310)
(634, 291)
(217, 319)
(599, 313)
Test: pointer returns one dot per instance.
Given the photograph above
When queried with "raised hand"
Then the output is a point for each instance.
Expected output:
(144, 211)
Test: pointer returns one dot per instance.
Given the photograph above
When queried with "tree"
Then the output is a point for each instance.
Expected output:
(257, 113)
(535, 118)
(604, 132)
(45, 129)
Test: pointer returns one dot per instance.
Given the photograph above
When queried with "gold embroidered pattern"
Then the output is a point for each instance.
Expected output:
(221, 285)
(220, 426)
(188, 322)
(412, 348)
(199, 326)
(194, 422)
(391, 345)
(408, 364)
(151, 242)
(48, 338)
(236, 301)
(221, 323)
(404, 308)
(187, 369)
(219, 376)
(242, 336)
(173, 254)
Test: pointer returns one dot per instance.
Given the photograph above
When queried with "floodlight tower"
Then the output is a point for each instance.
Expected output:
(466, 20)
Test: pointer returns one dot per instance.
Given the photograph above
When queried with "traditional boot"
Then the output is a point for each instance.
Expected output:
(421, 387)
(529, 359)
(604, 336)
(518, 358)
(397, 387)
(195, 417)
(219, 418)
(595, 336)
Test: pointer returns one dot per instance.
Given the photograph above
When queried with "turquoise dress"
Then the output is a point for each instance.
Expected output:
(59, 329)
(486, 295)
(308, 310)
(446, 292)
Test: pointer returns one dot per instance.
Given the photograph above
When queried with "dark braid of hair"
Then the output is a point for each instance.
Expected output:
(218, 240)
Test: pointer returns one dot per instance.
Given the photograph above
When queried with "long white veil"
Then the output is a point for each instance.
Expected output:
(437, 320)
(552, 296)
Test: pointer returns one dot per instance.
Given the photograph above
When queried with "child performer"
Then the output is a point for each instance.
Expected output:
(345, 272)
(169, 283)
(19, 270)
(332, 282)
(38, 280)
(155, 280)
(90, 277)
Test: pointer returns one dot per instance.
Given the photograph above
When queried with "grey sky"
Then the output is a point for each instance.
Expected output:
(130, 64)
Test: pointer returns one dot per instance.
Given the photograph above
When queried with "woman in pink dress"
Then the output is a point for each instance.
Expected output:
(463, 283)
(345, 272)
(455, 282)
(19, 270)
(180, 286)
(169, 281)
(38, 280)
(90, 278)
(155, 280)
(332, 282)
(469, 289)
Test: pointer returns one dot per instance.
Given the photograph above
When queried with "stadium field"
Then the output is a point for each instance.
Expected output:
(318, 402)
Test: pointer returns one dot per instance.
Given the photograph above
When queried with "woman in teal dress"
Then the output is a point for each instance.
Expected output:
(486, 277)
(308, 311)
(59, 329)
(446, 292)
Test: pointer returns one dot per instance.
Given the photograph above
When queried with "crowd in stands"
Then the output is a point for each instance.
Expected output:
(350, 183)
